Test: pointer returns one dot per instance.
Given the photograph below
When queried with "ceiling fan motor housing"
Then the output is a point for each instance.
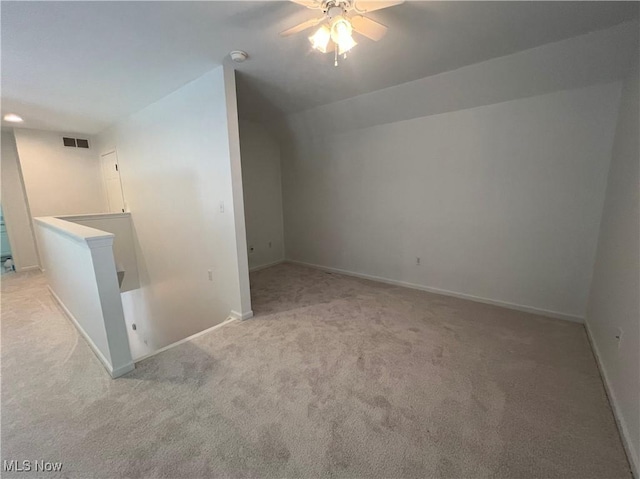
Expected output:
(333, 8)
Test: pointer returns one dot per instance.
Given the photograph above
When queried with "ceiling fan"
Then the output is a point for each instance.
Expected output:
(339, 19)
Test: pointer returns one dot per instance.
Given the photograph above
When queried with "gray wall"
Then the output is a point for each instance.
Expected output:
(262, 194)
(16, 208)
(493, 175)
(177, 160)
(59, 180)
(614, 302)
(596, 58)
(499, 202)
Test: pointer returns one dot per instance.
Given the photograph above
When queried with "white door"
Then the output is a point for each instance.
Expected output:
(111, 176)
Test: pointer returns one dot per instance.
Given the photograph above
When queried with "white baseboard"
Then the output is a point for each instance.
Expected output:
(477, 299)
(247, 315)
(29, 268)
(122, 370)
(622, 425)
(117, 372)
(265, 266)
(188, 338)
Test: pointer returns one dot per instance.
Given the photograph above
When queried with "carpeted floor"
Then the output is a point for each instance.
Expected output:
(335, 376)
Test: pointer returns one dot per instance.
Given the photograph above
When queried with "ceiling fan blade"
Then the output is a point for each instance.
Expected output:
(366, 6)
(313, 4)
(367, 27)
(302, 26)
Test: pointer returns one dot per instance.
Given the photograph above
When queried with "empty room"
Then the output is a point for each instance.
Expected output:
(320, 238)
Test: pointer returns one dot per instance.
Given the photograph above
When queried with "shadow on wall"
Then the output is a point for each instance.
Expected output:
(177, 297)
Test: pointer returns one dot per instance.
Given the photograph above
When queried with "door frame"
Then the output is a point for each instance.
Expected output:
(104, 179)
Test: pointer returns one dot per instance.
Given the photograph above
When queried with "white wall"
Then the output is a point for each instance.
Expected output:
(118, 224)
(80, 269)
(493, 174)
(177, 168)
(16, 208)
(59, 180)
(501, 202)
(262, 194)
(614, 302)
(239, 232)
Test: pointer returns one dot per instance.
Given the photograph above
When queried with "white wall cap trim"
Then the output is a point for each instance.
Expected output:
(82, 234)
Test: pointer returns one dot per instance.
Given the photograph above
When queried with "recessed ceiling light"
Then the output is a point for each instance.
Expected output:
(13, 118)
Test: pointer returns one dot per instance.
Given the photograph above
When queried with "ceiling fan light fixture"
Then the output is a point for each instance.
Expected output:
(346, 44)
(340, 29)
(320, 39)
(339, 19)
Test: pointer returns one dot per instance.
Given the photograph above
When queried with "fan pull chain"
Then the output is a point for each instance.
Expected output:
(335, 62)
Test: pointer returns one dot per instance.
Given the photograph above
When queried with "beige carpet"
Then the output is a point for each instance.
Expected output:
(334, 377)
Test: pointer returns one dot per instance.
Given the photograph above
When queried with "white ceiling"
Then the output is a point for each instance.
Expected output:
(80, 66)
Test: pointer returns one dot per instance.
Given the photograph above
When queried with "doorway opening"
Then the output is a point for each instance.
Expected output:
(6, 256)
(112, 183)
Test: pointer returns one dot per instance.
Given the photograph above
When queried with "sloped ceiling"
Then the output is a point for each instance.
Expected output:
(80, 66)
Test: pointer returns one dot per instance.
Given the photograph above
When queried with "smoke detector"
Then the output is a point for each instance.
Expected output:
(238, 56)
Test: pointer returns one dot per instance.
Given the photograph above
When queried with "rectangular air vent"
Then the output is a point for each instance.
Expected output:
(75, 142)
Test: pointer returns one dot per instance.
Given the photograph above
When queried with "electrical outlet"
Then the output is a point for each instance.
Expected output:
(418, 261)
